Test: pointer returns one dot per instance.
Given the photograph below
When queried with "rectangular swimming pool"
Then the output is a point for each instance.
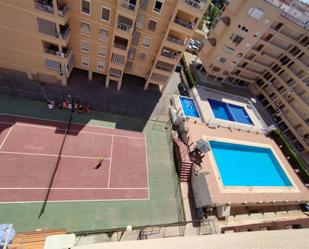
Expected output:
(189, 108)
(244, 165)
(230, 112)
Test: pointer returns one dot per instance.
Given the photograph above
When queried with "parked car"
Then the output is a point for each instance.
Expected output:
(183, 90)
(178, 68)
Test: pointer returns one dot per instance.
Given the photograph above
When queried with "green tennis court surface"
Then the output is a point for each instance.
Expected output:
(164, 205)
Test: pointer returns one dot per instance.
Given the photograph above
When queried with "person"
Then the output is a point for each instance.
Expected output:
(99, 163)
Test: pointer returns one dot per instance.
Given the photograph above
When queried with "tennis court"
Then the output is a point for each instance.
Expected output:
(30, 150)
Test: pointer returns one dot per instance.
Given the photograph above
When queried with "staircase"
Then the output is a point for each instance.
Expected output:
(183, 160)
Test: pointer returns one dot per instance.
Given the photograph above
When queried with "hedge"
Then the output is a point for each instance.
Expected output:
(190, 77)
(295, 160)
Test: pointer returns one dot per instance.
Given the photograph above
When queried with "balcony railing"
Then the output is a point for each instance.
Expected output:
(184, 23)
(169, 54)
(64, 34)
(164, 66)
(44, 7)
(127, 5)
(124, 27)
(62, 11)
(58, 53)
(175, 40)
(120, 46)
(199, 4)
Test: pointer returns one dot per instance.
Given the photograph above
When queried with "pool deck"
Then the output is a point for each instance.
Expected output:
(217, 194)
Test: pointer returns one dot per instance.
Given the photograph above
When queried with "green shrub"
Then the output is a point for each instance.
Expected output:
(189, 76)
(295, 160)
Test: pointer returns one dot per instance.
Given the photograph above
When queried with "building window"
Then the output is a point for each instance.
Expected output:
(146, 42)
(256, 13)
(221, 59)
(228, 49)
(236, 39)
(85, 46)
(152, 25)
(103, 34)
(157, 7)
(85, 7)
(85, 61)
(105, 14)
(101, 51)
(142, 56)
(100, 66)
(140, 20)
(85, 28)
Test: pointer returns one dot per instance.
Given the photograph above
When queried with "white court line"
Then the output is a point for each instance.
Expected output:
(77, 131)
(57, 121)
(110, 162)
(7, 135)
(146, 151)
(74, 201)
(70, 188)
(49, 155)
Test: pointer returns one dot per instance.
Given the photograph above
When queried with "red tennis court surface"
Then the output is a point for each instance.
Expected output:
(29, 151)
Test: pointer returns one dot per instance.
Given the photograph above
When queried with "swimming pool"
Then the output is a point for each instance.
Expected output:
(244, 165)
(188, 107)
(230, 112)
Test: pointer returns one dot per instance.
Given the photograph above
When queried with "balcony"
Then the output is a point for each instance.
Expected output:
(63, 9)
(64, 32)
(44, 5)
(124, 23)
(164, 66)
(184, 23)
(198, 4)
(53, 49)
(120, 43)
(171, 54)
(128, 4)
(175, 40)
(47, 6)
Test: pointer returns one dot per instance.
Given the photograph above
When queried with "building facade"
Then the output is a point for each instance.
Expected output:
(46, 39)
(264, 45)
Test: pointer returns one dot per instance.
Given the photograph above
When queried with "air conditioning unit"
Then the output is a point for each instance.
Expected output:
(60, 54)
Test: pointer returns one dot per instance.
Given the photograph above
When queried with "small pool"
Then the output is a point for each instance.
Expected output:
(244, 165)
(230, 112)
(188, 107)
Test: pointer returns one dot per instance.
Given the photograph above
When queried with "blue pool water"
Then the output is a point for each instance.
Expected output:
(189, 107)
(229, 112)
(243, 165)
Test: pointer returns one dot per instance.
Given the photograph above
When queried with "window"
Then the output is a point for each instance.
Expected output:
(103, 34)
(228, 49)
(85, 28)
(135, 38)
(142, 56)
(237, 39)
(157, 6)
(140, 20)
(85, 62)
(105, 14)
(221, 59)
(101, 51)
(85, 7)
(55, 65)
(85, 46)
(146, 42)
(256, 13)
(152, 25)
(100, 66)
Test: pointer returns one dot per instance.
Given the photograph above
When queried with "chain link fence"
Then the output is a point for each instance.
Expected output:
(27, 89)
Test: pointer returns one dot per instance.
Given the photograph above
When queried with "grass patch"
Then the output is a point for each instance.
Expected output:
(189, 76)
(295, 160)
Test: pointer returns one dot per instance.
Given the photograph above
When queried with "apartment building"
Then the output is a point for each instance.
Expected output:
(264, 45)
(46, 39)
